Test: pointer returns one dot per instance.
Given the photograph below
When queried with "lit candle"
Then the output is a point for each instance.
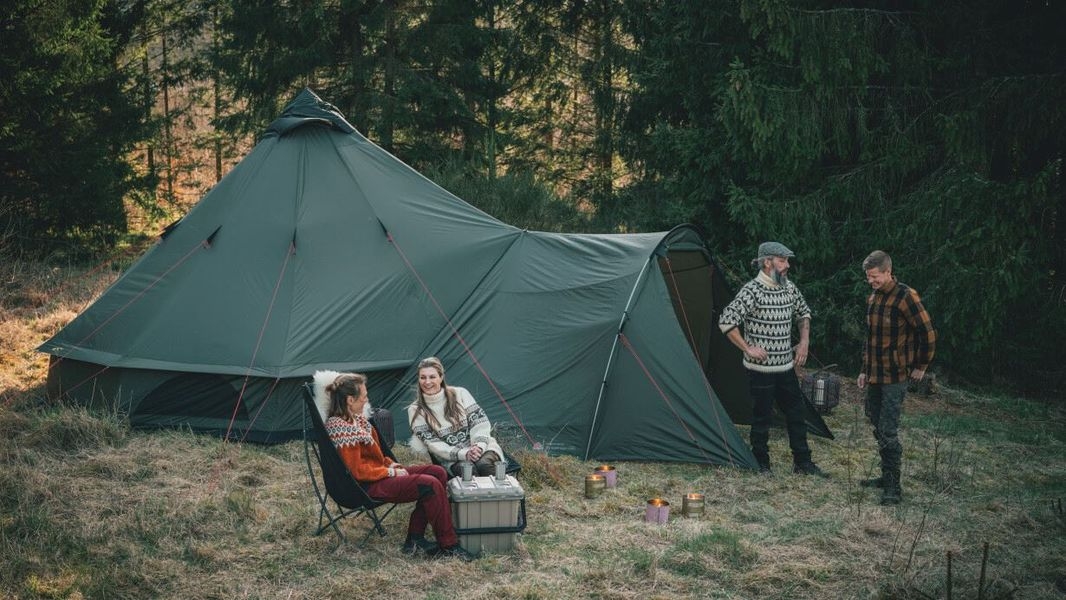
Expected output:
(692, 505)
(594, 485)
(608, 472)
(658, 511)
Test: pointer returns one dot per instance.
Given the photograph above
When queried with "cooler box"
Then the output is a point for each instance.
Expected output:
(487, 513)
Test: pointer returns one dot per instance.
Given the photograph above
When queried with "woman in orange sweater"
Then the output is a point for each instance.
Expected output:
(359, 447)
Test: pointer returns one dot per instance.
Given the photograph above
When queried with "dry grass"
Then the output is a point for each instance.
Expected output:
(36, 301)
(90, 509)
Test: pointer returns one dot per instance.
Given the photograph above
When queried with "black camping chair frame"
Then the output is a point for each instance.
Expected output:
(337, 482)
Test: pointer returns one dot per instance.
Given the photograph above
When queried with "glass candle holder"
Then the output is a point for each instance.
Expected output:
(594, 485)
(692, 505)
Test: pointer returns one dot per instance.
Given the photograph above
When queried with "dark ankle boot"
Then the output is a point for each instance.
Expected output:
(891, 491)
(416, 544)
(456, 551)
(876, 482)
(809, 468)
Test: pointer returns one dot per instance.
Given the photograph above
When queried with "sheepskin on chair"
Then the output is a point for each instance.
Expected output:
(322, 379)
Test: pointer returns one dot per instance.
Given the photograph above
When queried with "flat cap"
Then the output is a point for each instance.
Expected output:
(774, 249)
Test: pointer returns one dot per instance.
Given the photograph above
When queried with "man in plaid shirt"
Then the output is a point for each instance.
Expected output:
(900, 343)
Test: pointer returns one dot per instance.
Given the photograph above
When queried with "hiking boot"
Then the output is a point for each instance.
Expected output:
(809, 468)
(455, 551)
(891, 496)
(893, 492)
(876, 482)
(419, 545)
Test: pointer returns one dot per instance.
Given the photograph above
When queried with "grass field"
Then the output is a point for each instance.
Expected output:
(92, 509)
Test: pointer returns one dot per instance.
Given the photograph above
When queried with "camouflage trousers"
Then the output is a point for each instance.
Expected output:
(884, 405)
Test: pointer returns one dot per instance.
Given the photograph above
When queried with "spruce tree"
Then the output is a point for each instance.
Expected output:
(70, 120)
(931, 130)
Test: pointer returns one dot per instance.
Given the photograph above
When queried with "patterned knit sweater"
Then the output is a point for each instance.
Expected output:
(450, 443)
(358, 445)
(765, 312)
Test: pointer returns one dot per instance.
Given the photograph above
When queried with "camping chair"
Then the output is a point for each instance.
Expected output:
(338, 484)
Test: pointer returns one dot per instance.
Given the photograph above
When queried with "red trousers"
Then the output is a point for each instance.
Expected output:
(426, 485)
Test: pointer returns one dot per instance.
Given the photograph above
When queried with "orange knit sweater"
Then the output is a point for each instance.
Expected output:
(359, 448)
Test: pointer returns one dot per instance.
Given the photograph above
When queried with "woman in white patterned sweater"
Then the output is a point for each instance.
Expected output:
(447, 422)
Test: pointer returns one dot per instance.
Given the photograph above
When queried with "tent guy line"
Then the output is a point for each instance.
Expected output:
(684, 313)
(458, 336)
(259, 411)
(666, 399)
(695, 347)
(259, 341)
(614, 350)
(202, 245)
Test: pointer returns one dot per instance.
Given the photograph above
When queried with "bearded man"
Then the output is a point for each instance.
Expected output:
(765, 309)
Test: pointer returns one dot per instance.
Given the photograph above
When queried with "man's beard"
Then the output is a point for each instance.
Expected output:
(779, 277)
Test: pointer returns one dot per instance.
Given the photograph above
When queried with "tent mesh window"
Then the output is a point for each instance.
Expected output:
(203, 396)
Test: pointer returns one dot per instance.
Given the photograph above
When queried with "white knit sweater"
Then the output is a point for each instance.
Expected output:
(450, 443)
(765, 310)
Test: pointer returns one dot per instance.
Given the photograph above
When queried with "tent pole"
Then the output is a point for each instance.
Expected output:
(614, 349)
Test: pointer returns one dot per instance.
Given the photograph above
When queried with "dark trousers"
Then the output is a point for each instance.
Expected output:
(426, 486)
(782, 389)
(884, 405)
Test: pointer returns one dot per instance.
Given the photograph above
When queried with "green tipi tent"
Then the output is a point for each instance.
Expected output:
(322, 251)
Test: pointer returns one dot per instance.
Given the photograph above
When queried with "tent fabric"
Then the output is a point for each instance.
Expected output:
(321, 251)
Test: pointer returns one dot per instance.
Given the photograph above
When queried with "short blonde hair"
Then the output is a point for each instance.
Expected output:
(878, 259)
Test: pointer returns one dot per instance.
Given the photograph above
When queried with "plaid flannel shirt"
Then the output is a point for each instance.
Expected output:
(899, 335)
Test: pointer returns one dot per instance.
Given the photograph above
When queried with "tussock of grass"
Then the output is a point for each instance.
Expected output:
(12, 424)
(74, 429)
(540, 471)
